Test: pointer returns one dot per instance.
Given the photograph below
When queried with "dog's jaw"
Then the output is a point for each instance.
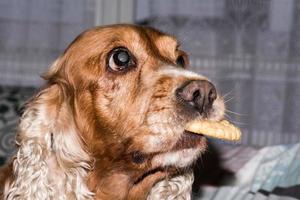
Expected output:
(179, 158)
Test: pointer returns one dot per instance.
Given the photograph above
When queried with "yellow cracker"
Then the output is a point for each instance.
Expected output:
(221, 130)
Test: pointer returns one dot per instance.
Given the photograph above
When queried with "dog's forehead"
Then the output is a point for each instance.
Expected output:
(149, 39)
(134, 37)
(143, 34)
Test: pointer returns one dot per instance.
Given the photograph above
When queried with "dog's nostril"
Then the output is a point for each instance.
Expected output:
(196, 95)
(212, 95)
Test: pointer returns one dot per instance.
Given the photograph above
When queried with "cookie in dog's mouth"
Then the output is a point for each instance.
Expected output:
(196, 131)
(223, 129)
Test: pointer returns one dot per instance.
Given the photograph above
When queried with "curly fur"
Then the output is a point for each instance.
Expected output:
(48, 163)
(178, 187)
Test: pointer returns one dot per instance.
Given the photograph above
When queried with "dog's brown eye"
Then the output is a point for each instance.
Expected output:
(180, 61)
(138, 157)
(120, 59)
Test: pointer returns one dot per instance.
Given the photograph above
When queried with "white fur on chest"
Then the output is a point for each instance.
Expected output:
(178, 187)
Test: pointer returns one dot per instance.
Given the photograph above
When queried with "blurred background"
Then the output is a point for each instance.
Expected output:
(249, 48)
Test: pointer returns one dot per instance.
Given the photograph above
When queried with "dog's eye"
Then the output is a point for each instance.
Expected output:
(138, 157)
(182, 61)
(120, 59)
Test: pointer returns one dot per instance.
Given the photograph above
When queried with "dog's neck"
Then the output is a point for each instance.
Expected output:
(104, 182)
(156, 186)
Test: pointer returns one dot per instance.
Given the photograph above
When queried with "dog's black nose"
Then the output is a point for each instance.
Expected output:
(198, 93)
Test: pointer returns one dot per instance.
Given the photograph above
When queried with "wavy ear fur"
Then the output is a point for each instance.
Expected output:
(51, 162)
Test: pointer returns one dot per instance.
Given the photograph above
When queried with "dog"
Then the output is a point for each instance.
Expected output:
(109, 123)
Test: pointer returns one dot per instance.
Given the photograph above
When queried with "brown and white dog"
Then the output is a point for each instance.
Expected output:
(110, 122)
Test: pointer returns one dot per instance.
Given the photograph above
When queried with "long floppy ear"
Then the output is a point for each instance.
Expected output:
(51, 162)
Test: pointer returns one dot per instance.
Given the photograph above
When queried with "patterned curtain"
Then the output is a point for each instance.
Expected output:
(34, 32)
(250, 49)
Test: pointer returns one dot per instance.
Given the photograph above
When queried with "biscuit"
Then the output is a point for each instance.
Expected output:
(217, 129)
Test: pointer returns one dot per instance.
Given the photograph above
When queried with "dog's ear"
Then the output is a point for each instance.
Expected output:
(51, 161)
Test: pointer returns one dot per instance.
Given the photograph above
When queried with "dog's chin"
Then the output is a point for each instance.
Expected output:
(188, 146)
(184, 153)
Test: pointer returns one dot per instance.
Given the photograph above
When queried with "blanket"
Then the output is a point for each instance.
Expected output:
(272, 173)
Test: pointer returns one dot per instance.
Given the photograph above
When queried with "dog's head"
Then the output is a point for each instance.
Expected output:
(128, 92)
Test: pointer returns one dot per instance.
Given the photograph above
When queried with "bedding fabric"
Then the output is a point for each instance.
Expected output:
(12, 100)
(272, 173)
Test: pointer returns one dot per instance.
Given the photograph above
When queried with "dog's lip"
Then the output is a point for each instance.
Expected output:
(189, 140)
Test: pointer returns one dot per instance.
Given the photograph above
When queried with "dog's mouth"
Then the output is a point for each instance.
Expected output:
(189, 140)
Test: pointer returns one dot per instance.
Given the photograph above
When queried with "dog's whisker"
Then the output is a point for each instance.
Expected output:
(228, 93)
(235, 113)
(237, 122)
(227, 116)
(228, 100)
(232, 120)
